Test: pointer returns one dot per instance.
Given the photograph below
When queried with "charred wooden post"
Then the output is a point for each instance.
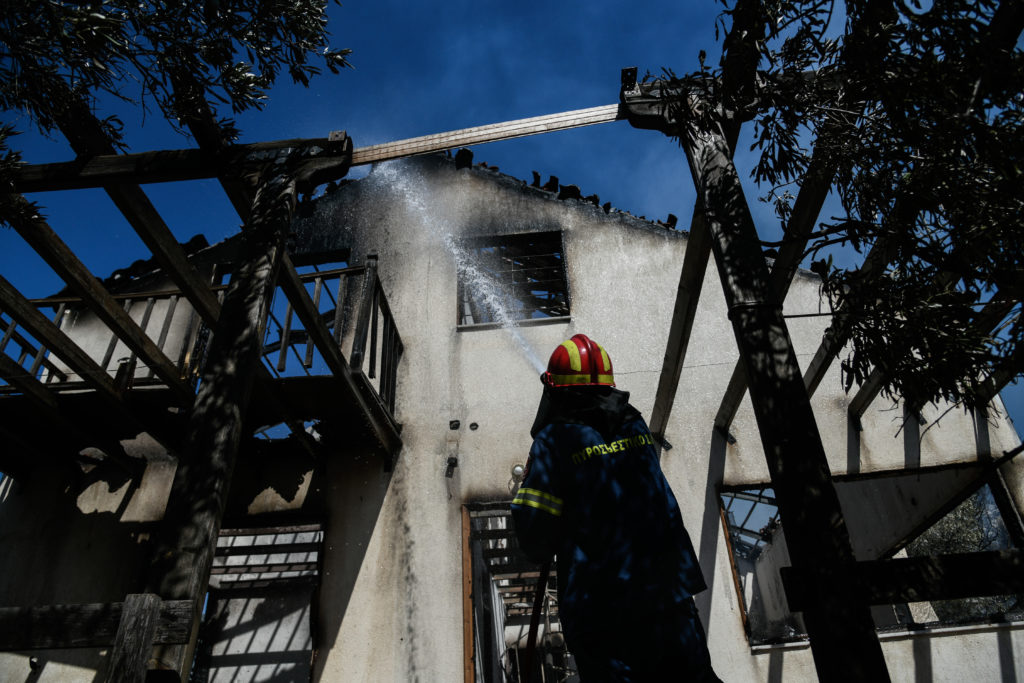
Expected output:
(839, 623)
(134, 640)
(181, 565)
(199, 493)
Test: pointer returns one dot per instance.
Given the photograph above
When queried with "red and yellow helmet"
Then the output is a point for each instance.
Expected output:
(578, 362)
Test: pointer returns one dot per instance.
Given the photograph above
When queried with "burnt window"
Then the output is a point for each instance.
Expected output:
(935, 511)
(511, 278)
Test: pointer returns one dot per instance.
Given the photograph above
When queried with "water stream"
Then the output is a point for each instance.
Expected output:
(486, 292)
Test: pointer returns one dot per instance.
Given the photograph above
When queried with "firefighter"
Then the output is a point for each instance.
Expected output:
(595, 496)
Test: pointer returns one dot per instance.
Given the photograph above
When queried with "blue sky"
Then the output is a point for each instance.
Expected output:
(424, 68)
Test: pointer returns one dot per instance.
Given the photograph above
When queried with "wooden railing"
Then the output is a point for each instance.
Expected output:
(350, 303)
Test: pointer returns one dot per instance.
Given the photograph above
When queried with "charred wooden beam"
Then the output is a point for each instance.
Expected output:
(84, 625)
(806, 209)
(18, 377)
(843, 639)
(133, 642)
(141, 168)
(691, 281)
(912, 579)
(189, 531)
(41, 237)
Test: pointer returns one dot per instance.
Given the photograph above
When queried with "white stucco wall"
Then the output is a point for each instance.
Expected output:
(403, 620)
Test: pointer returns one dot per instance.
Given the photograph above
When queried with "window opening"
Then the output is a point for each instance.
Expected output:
(975, 525)
(504, 583)
(257, 619)
(512, 278)
(757, 549)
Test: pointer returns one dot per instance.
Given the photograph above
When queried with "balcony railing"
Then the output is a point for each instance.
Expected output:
(350, 303)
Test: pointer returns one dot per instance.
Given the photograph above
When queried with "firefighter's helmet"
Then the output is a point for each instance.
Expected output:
(580, 361)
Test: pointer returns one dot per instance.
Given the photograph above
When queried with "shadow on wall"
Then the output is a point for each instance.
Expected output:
(356, 486)
(711, 524)
(50, 521)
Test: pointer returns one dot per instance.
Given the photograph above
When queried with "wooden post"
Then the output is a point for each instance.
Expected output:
(839, 623)
(134, 640)
(181, 566)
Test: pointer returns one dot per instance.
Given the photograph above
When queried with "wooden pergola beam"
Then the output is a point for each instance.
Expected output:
(914, 579)
(41, 237)
(141, 168)
(83, 625)
(806, 209)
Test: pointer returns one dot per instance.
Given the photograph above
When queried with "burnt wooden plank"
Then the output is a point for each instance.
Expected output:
(134, 639)
(84, 625)
(914, 579)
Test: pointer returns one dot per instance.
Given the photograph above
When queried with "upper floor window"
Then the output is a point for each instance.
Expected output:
(508, 278)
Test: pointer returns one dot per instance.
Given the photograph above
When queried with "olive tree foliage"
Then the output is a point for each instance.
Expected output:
(157, 55)
(916, 114)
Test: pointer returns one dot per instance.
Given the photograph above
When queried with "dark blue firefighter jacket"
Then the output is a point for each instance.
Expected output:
(594, 495)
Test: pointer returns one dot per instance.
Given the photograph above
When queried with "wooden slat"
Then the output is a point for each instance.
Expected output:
(482, 134)
(265, 568)
(267, 549)
(63, 261)
(83, 625)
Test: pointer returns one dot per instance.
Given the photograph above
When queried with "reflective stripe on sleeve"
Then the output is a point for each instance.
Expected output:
(540, 500)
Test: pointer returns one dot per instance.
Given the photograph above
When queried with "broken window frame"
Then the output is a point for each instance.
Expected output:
(514, 274)
(902, 619)
(289, 561)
